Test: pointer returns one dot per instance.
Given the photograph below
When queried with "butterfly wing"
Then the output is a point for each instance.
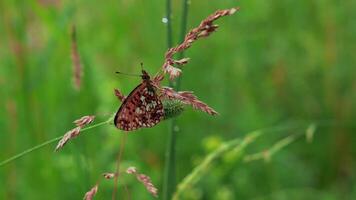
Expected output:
(141, 108)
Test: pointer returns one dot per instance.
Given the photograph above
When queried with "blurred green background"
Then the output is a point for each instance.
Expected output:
(271, 63)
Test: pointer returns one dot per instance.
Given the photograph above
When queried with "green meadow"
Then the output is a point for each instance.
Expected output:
(281, 75)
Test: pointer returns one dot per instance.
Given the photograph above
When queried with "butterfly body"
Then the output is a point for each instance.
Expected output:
(141, 108)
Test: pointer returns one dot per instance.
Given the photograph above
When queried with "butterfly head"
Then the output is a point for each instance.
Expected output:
(145, 75)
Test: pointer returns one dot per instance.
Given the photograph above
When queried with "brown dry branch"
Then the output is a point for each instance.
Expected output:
(84, 120)
(119, 95)
(91, 193)
(145, 180)
(66, 137)
(187, 97)
(205, 28)
(77, 66)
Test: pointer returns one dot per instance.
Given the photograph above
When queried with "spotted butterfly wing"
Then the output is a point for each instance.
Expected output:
(142, 108)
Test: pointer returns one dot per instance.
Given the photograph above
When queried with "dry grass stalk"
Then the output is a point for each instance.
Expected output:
(119, 95)
(77, 66)
(66, 137)
(205, 28)
(145, 180)
(84, 120)
(187, 97)
(91, 193)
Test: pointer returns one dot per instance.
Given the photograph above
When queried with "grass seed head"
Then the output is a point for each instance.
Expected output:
(91, 193)
(68, 136)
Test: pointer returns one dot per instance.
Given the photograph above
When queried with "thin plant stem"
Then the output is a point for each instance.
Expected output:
(17, 156)
(183, 31)
(236, 147)
(127, 192)
(169, 171)
(169, 23)
(268, 153)
(170, 165)
(121, 151)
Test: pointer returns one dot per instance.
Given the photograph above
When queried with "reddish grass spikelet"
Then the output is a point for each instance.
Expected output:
(66, 137)
(172, 71)
(157, 79)
(119, 95)
(131, 170)
(187, 97)
(77, 66)
(91, 193)
(80, 123)
(109, 175)
(182, 61)
(85, 120)
(145, 180)
(205, 28)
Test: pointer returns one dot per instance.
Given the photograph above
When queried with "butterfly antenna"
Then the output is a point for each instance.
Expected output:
(127, 74)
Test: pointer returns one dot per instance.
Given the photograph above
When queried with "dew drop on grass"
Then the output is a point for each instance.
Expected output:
(165, 20)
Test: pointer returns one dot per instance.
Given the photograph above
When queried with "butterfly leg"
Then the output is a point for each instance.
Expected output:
(119, 95)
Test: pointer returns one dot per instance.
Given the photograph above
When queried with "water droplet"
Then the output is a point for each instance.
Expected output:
(165, 20)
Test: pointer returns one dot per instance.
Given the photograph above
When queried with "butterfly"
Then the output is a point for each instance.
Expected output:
(141, 108)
